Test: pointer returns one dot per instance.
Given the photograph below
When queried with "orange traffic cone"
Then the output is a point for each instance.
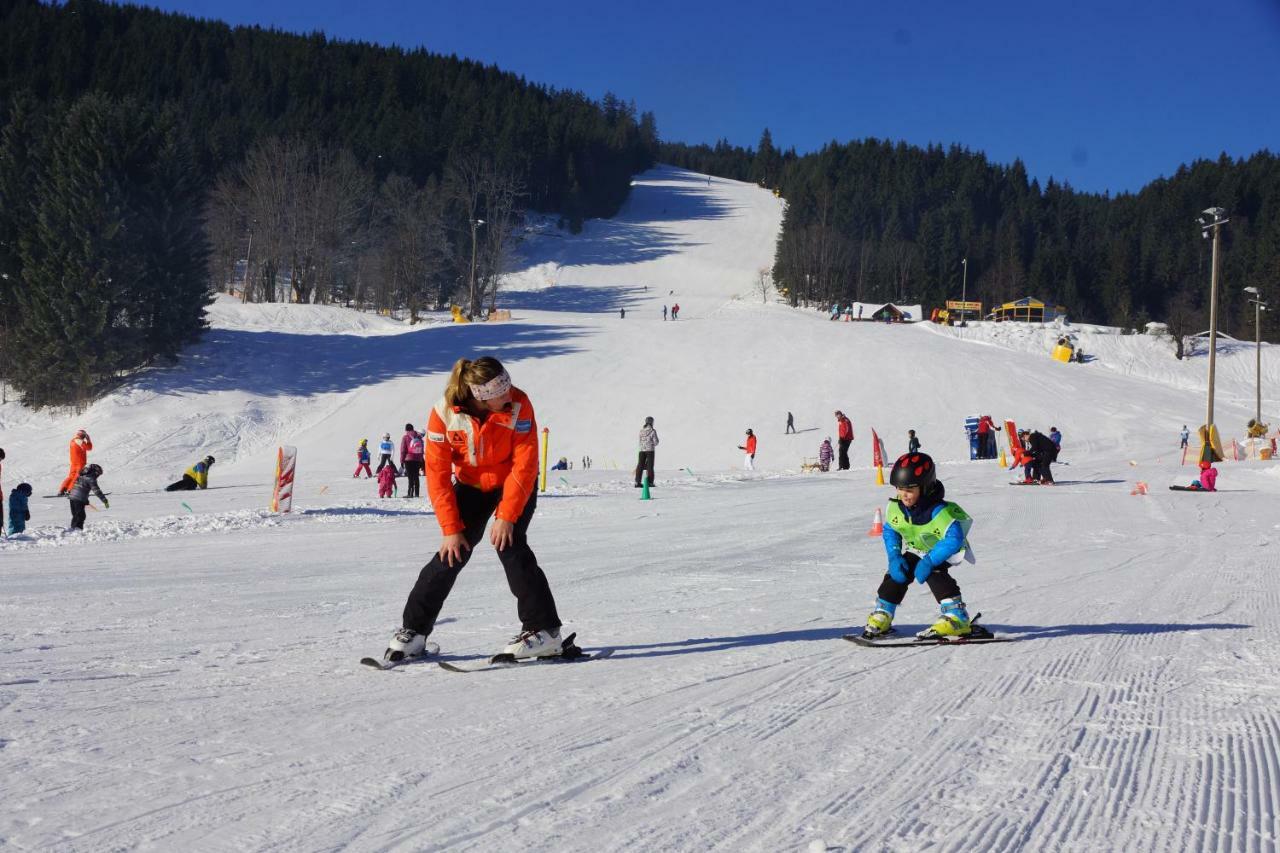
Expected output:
(879, 477)
(877, 525)
(1140, 489)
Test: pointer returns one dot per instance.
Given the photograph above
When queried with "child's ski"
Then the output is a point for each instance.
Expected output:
(1187, 489)
(570, 654)
(931, 641)
(979, 634)
(431, 650)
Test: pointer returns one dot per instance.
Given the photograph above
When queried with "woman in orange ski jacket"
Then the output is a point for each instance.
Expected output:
(484, 434)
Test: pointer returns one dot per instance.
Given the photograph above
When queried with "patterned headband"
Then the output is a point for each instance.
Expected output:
(496, 387)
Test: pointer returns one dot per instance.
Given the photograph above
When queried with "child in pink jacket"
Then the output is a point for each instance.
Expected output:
(386, 481)
(1208, 477)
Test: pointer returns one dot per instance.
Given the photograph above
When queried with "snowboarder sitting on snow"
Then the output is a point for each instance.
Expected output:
(195, 477)
(924, 534)
(1208, 481)
(19, 515)
(386, 481)
(87, 482)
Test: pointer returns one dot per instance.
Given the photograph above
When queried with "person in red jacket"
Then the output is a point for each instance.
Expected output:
(844, 437)
(749, 462)
(482, 461)
(79, 451)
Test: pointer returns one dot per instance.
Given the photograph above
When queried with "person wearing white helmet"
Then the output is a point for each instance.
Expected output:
(386, 447)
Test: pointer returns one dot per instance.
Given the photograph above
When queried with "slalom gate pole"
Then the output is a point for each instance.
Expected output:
(542, 476)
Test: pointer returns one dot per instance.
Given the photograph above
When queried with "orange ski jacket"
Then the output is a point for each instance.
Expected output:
(500, 452)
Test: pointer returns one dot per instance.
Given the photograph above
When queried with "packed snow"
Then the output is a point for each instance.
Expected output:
(183, 674)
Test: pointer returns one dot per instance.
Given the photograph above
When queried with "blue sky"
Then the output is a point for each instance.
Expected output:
(1106, 96)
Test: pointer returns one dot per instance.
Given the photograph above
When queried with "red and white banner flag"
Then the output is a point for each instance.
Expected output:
(877, 450)
(282, 496)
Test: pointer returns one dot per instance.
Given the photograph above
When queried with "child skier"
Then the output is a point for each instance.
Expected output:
(913, 443)
(362, 460)
(482, 462)
(87, 482)
(79, 456)
(386, 448)
(19, 515)
(825, 454)
(924, 534)
(386, 481)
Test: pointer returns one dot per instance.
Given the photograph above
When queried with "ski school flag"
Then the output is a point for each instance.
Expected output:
(877, 450)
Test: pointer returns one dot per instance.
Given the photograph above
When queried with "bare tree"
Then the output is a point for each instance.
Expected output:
(466, 183)
(764, 284)
(503, 191)
(416, 252)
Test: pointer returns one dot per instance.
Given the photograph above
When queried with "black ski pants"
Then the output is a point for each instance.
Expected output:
(644, 465)
(534, 603)
(941, 584)
(186, 484)
(1041, 471)
(844, 453)
(77, 514)
(384, 462)
(412, 468)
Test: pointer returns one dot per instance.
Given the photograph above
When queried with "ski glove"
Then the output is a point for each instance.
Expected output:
(924, 568)
(898, 569)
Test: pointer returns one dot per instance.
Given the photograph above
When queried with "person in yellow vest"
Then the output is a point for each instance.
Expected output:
(195, 477)
(924, 536)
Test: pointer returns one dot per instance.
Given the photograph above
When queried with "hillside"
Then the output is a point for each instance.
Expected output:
(183, 674)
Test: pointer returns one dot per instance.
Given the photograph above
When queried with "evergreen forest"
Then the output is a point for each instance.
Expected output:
(874, 221)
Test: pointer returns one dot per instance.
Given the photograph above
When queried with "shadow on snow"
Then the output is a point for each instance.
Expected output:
(281, 363)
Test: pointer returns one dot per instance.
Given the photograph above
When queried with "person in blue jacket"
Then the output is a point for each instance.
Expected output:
(19, 514)
(924, 535)
(386, 448)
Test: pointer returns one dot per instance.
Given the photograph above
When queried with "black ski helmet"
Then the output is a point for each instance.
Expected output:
(208, 460)
(94, 469)
(914, 469)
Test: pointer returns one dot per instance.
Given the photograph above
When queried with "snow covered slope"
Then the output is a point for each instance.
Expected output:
(182, 676)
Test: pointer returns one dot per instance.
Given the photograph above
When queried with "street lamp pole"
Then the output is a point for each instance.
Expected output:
(1258, 307)
(1212, 220)
(471, 308)
(964, 291)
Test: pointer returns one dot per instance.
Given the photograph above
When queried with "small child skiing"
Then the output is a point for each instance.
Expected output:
(913, 443)
(362, 460)
(19, 514)
(386, 481)
(924, 535)
(825, 455)
(87, 482)
(386, 448)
